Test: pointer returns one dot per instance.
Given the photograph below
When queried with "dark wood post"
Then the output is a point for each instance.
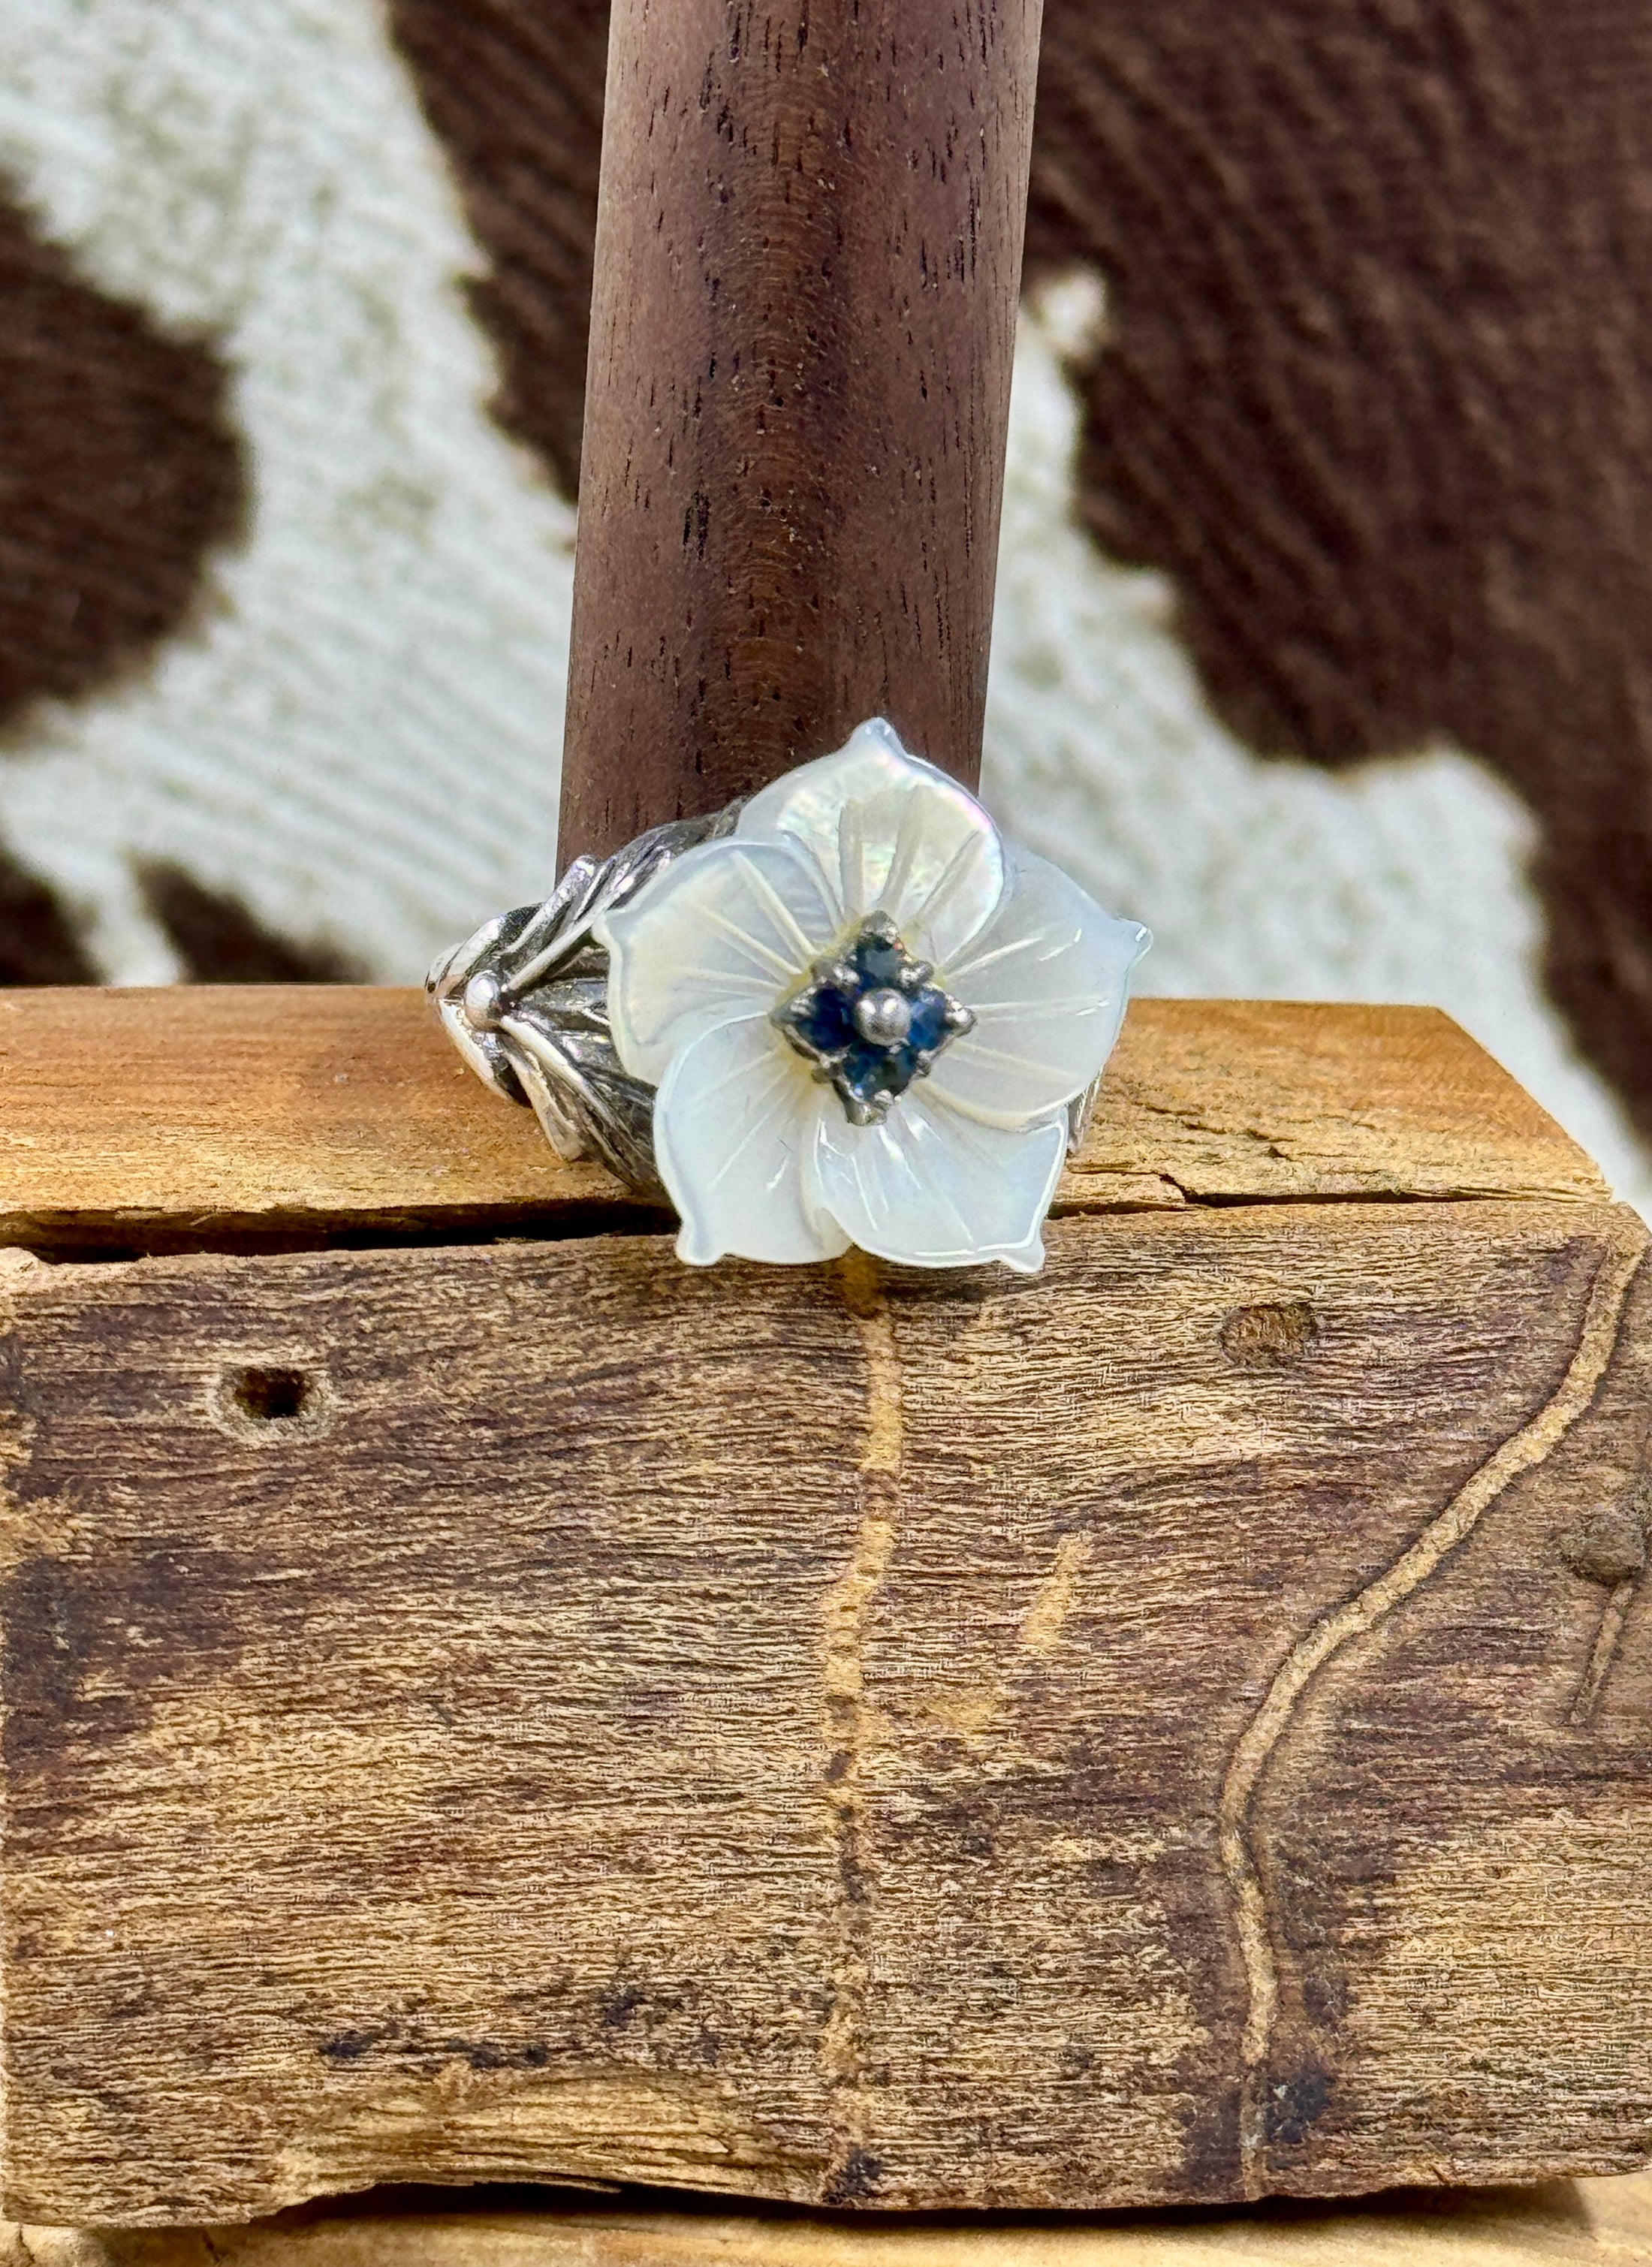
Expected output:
(808, 259)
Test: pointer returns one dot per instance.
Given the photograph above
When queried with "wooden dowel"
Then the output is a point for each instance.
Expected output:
(808, 258)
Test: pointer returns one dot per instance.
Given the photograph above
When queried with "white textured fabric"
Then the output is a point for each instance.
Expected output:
(1405, 880)
(361, 737)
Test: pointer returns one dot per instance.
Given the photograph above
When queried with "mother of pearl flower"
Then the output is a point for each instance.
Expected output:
(865, 1015)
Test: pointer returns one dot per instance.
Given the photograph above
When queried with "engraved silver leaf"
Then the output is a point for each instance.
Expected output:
(525, 1002)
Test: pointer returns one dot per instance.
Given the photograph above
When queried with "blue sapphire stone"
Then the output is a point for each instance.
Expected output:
(929, 1031)
(871, 1019)
(879, 959)
(824, 1018)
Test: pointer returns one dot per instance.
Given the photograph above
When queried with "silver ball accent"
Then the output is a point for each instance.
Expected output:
(884, 1017)
(482, 1001)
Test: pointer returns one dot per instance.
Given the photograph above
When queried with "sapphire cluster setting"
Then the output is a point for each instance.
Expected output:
(870, 1018)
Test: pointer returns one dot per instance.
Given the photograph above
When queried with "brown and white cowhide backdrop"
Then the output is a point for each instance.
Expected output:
(1324, 632)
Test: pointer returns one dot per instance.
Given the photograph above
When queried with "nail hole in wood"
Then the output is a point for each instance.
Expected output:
(271, 1400)
(1268, 1335)
(271, 1397)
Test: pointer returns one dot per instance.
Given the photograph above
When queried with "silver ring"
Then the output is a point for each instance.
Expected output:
(841, 1012)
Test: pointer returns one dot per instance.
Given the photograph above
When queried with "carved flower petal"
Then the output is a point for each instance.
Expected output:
(1048, 982)
(929, 1188)
(735, 1125)
(890, 835)
(725, 931)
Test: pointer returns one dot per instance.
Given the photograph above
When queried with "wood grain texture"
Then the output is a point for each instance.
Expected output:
(1133, 1756)
(1565, 2224)
(807, 260)
(266, 1115)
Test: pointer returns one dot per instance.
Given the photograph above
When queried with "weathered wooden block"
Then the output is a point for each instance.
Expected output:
(1176, 1727)
(1561, 2224)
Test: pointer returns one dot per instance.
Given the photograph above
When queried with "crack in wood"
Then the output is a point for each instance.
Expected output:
(853, 2174)
(1604, 1652)
(1524, 1449)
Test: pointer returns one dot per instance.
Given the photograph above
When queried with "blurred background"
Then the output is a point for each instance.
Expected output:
(1324, 640)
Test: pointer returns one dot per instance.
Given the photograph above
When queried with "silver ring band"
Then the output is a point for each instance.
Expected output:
(525, 1002)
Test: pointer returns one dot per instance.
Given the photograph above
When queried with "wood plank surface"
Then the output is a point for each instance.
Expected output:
(1178, 1726)
(808, 257)
(1566, 2223)
(204, 1116)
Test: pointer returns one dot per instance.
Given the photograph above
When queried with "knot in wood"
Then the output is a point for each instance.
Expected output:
(1269, 1335)
(1609, 1546)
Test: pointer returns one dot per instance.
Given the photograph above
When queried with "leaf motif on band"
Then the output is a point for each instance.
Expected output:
(525, 1002)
